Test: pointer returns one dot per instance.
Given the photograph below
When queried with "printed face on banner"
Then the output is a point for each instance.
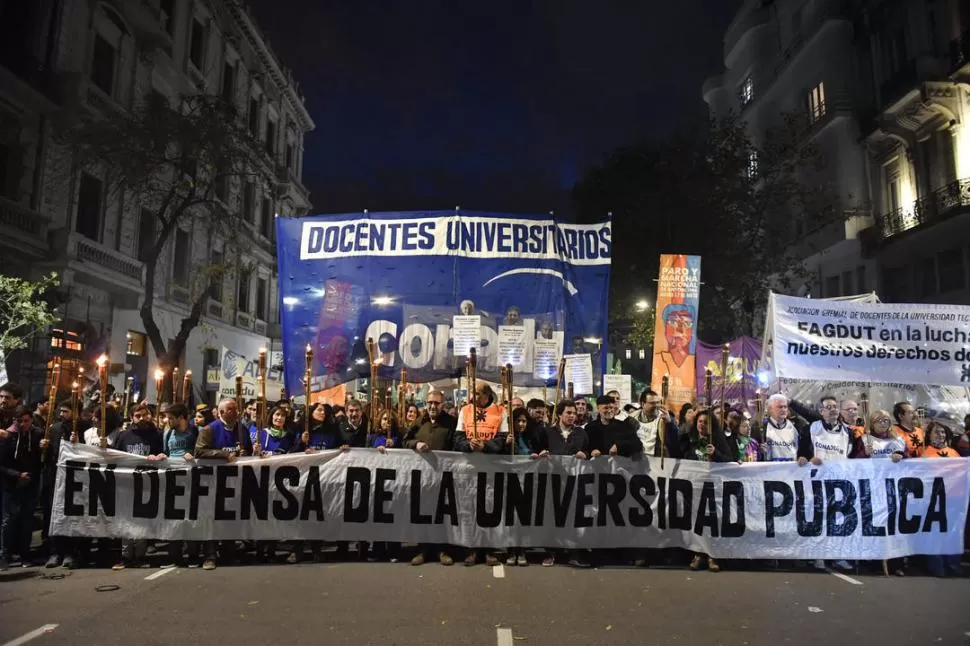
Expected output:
(678, 295)
(410, 281)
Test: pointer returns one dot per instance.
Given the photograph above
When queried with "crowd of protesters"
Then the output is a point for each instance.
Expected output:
(791, 431)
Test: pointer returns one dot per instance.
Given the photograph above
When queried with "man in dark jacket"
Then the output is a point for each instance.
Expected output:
(60, 431)
(607, 436)
(436, 433)
(20, 468)
(352, 431)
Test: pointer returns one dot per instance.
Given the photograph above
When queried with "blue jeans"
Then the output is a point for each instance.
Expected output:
(937, 564)
(19, 503)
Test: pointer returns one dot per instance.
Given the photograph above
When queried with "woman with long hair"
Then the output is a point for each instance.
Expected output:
(706, 442)
(386, 435)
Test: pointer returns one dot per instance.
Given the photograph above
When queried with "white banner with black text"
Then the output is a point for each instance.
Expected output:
(855, 509)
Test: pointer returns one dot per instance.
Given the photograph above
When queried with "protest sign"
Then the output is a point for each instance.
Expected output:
(400, 278)
(675, 334)
(872, 342)
(853, 509)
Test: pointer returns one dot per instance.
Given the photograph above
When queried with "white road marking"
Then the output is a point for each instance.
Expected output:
(152, 577)
(847, 579)
(46, 628)
(504, 636)
(498, 571)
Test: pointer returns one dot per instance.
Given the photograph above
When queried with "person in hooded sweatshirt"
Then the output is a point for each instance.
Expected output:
(143, 439)
(20, 469)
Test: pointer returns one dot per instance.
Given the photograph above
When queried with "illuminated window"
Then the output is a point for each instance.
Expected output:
(643, 353)
(746, 91)
(136, 344)
(752, 169)
(629, 353)
(66, 340)
(816, 102)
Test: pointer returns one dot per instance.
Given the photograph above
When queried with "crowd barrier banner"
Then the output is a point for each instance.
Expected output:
(856, 509)
(874, 342)
(427, 286)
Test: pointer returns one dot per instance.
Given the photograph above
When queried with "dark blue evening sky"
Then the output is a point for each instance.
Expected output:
(495, 105)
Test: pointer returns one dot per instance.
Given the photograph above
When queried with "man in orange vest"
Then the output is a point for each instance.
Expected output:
(482, 428)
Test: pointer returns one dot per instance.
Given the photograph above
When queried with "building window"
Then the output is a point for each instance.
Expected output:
(6, 189)
(642, 354)
(262, 287)
(216, 258)
(146, 235)
(289, 156)
(847, 283)
(228, 83)
(249, 199)
(88, 222)
(816, 102)
(168, 16)
(254, 117)
(752, 169)
(746, 91)
(103, 65)
(860, 278)
(952, 272)
(266, 223)
(136, 344)
(180, 261)
(220, 186)
(242, 297)
(66, 340)
(832, 286)
(197, 45)
(211, 357)
(270, 137)
(897, 283)
(629, 354)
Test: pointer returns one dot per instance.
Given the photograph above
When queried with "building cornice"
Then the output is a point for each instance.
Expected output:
(270, 63)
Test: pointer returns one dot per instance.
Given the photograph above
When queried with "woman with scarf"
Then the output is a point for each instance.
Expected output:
(707, 442)
(748, 448)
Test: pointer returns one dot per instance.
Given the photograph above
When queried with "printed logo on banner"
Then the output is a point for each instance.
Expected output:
(416, 282)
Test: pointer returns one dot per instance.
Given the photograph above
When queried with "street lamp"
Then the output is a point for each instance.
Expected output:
(642, 305)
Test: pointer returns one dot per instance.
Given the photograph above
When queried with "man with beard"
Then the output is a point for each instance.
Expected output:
(652, 421)
(143, 439)
(10, 398)
(906, 428)
(436, 433)
(20, 468)
(351, 433)
(537, 411)
(582, 412)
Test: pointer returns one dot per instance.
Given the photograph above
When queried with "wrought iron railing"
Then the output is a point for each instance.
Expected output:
(938, 205)
(14, 216)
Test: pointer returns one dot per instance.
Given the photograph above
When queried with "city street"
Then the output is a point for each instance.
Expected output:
(381, 603)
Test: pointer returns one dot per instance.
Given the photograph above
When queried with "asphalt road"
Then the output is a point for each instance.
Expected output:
(384, 603)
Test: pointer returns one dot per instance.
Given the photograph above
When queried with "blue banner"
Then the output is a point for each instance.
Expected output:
(539, 288)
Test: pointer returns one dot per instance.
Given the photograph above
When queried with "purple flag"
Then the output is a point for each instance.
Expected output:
(742, 373)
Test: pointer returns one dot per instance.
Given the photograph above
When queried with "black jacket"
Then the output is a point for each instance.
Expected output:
(19, 453)
(347, 434)
(577, 441)
(602, 436)
(725, 449)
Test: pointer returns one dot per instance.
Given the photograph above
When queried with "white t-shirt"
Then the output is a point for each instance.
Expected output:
(832, 444)
(884, 447)
(647, 432)
(781, 444)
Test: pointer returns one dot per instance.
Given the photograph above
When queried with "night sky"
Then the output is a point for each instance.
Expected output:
(496, 105)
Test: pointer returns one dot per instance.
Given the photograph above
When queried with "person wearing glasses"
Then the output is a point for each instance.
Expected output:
(883, 442)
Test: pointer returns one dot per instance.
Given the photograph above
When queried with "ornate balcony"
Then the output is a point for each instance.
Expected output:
(943, 203)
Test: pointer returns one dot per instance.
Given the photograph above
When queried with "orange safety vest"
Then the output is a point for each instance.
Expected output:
(489, 421)
(915, 441)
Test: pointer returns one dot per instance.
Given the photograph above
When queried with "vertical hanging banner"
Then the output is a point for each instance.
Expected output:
(678, 293)
(744, 361)
(427, 286)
